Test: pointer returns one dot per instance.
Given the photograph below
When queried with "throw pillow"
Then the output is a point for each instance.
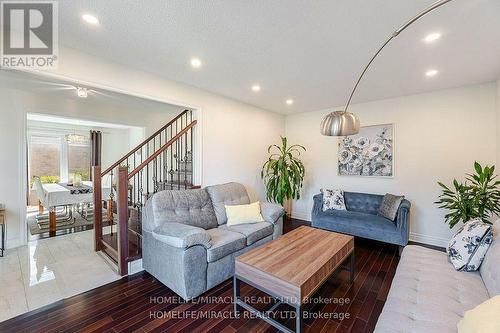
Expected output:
(468, 246)
(390, 205)
(241, 214)
(333, 199)
(482, 319)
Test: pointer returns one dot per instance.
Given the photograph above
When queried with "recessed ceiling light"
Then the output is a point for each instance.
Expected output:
(431, 72)
(195, 63)
(432, 37)
(91, 19)
(82, 92)
(289, 101)
(256, 87)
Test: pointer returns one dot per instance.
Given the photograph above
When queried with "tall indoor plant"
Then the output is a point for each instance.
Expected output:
(283, 173)
(477, 197)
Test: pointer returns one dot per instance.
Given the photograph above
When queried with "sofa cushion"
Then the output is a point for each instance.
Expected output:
(428, 295)
(359, 224)
(182, 235)
(224, 242)
(469, 245)
(227, 194)
(191, 207)
(490, 269)
(252, 231)
(363, 202)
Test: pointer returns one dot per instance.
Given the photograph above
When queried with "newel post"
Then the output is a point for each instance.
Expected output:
(123, 215)
(96, 177)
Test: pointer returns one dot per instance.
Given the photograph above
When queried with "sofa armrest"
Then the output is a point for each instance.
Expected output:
(403, 215)
(271, 212)
(181, 235)
(318, 204)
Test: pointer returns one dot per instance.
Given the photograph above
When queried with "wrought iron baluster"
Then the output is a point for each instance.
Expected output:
(191, 147)
(171, 170)
(147, 169)
(134, 187)
(141, 189)
(165, 161)
(154, 178)
(111, 201)
(185, 161)
(178, 178)
(160, 157)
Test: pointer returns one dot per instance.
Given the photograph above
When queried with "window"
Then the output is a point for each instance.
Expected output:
(45, 158)
(78, 160)
(55, 159)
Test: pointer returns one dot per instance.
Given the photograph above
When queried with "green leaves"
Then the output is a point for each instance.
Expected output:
(477, 197)
(283, 173)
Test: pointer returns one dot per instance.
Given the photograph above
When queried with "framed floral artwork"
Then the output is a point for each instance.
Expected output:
(370, 153)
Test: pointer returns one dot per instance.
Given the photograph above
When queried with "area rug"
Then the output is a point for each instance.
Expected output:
(79, 222)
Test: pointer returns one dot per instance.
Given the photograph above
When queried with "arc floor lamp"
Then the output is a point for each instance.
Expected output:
(342, 123)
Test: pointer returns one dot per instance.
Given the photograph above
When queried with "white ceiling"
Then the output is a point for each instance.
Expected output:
(65, 94)
(311, 51)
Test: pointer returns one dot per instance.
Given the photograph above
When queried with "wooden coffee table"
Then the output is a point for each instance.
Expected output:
(291, 268)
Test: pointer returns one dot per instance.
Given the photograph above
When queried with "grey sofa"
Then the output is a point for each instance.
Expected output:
(428, 295)
(187, 244)
(361, 219)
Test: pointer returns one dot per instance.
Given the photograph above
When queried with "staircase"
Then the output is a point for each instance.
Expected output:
(163, 161)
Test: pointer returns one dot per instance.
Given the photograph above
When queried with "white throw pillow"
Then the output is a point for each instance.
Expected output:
(333, 199)
(241, 214)
(468, 247)
(482, 319)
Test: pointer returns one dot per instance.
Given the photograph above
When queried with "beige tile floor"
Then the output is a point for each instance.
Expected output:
(48, 270)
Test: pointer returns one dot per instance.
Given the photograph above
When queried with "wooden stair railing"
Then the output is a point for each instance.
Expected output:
(141, 145)
(163, 161)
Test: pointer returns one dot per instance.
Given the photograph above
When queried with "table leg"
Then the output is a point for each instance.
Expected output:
(236, 295)
(351, 268)
(299, 320)
(52, 222)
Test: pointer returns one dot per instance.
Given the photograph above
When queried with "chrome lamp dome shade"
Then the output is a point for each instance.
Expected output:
(340, 123)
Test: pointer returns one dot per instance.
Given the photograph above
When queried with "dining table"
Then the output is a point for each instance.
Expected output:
(57, 195)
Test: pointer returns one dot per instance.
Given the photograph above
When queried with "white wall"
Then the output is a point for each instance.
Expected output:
(12, 190)
(498, 123)
(235, 136)
(438, 136)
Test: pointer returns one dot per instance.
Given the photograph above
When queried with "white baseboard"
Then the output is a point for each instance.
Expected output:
(415, 237)
(427, 239)
(135, 267)
(301, 215)
(13, 243)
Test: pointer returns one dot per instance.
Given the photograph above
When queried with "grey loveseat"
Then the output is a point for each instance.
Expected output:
(187, 244)
(428, 295)
(361, 219)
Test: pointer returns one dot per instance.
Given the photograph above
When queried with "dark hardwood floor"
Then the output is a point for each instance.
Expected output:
(140, 303)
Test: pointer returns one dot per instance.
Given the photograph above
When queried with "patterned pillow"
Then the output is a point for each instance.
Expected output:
(333, 199)
(390, 205)
(468, 247)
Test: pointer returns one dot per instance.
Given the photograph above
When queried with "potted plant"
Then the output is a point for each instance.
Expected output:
(283, 174)
(477, 197)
